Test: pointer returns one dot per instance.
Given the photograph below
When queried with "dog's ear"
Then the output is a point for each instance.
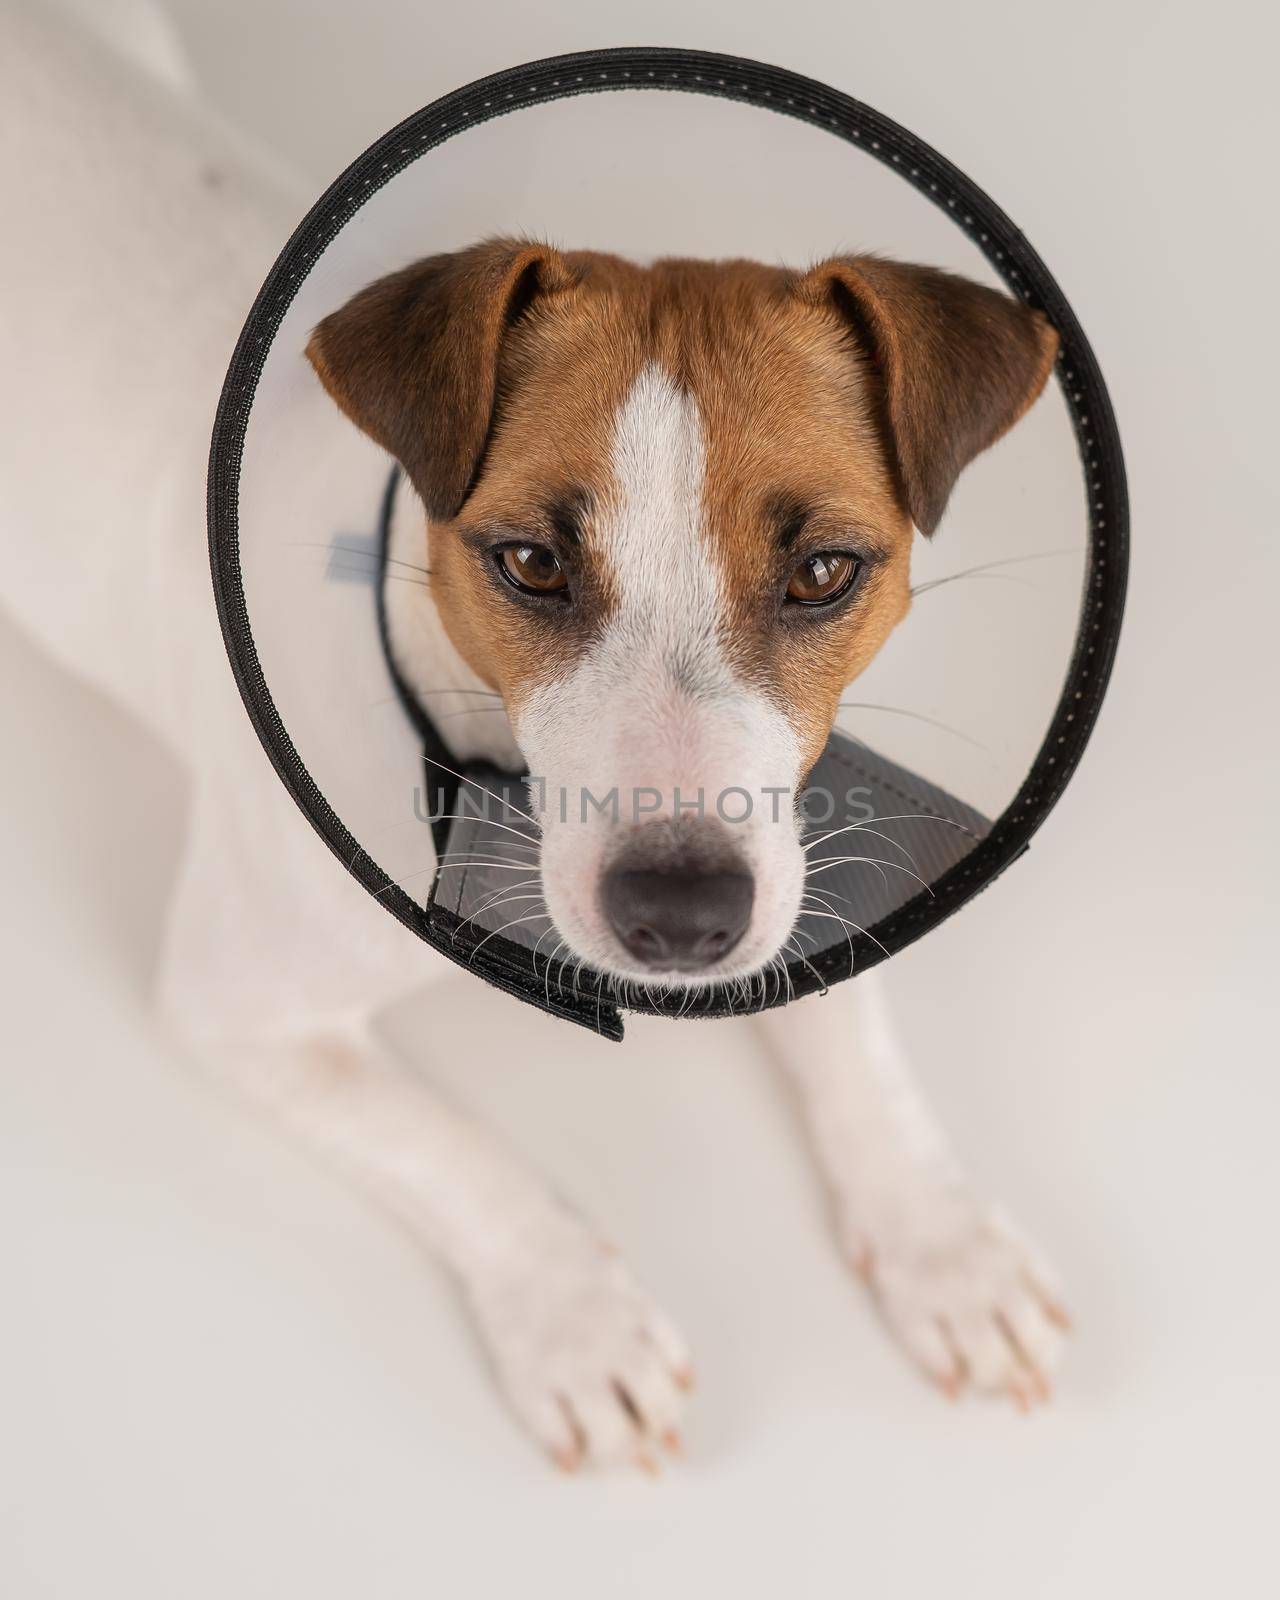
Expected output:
(958, 363)
(413, 359)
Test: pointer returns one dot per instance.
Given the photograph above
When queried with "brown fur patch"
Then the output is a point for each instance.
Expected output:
(412, 359)
(960, 364)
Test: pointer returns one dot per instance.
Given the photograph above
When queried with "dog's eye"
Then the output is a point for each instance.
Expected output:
(822, 578)
(532, 568)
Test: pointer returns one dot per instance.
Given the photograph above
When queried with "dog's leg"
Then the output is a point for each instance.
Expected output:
(589, 1364)
(263, 928)
(963, 1291)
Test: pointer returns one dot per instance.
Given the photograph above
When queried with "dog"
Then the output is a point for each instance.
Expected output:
(669, 519)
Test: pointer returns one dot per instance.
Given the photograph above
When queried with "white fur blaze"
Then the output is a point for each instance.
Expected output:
(652, 712)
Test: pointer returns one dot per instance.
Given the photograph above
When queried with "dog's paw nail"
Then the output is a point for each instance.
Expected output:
(647, 1464)
(672, 1442)
(1058, 1314)
(686, 1378)
(587, 1361)
(969, 1299)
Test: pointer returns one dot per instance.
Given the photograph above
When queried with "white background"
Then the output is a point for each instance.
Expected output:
(221, 1374)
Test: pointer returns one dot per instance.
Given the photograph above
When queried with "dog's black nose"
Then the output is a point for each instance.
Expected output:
(678, 920)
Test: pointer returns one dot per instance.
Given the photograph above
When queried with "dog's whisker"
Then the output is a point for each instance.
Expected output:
(391, 577)
(533, 846)
(350, 563)
(813, 911)
(489, 866)
(514, 923)
(365, 573)
(835, 917)
(508, 891)
(967, 577)
(551, 959)
(471, 782)
(826, 863)
(399, 883)
(503, 900)
(352, 550)
(456, 861)
(865, 827)
(825, 897)
(990, 566)
(902, 816)
(804, 961)
(485, 694)
(829, 910)
(876, 833)
(549, 929)
(871, 861)
(463, 816)
(450, 862)
(915, 716)
(534, 882)
(393, 561)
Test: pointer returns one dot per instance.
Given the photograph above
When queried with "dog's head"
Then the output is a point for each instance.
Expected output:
(670, 513)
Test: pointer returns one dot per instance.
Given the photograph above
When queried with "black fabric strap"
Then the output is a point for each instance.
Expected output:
(439, 784)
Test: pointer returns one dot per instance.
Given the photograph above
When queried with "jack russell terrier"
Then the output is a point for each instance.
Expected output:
(669, 519)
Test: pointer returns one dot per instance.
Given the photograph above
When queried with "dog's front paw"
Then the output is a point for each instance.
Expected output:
(589, 1364)
(968, 1297)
